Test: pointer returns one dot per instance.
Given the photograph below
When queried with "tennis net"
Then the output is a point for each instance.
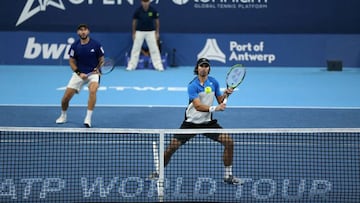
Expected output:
(113, 165)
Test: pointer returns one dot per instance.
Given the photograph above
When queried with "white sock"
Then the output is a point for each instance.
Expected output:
(228, 171)
(89, 113)
(63, 113)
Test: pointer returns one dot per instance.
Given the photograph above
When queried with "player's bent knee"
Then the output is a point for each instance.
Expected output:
(174, 145)
(66, 98)
(226, 140)
(93, 89)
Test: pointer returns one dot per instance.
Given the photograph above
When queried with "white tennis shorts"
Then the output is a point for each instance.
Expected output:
(77, 83)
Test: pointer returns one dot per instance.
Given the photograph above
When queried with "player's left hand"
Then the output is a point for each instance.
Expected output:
(96, 71)
(228, 91)
(220, 107)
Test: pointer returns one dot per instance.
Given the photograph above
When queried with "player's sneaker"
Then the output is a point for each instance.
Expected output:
(160, 69)
(61, 119)
(87, 122)
(233, 180)
(153, 176)
(130, 68)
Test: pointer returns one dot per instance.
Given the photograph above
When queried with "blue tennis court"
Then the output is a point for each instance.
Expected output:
(269, 97)
(110, 163)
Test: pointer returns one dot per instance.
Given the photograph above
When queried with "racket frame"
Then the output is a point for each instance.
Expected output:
(111, 65)
(237, 84)
(106, 60)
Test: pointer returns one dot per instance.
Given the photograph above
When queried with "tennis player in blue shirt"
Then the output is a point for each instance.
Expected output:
(145, 26)
(202, 91)
(86, 58)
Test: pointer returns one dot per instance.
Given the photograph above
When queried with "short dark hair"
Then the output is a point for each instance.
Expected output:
(82, 26)
(199, 62)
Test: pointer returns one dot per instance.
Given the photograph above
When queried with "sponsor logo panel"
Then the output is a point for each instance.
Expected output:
(33, 7)
(235, 51)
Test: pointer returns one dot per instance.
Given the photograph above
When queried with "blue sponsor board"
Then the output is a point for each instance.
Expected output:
(186, 16)
(288, 50)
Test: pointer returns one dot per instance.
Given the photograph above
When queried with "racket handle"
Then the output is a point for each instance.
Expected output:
(225, 100)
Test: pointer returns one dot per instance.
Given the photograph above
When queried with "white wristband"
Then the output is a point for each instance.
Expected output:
(212, 108)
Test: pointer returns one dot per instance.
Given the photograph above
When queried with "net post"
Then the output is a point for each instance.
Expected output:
(161, 180)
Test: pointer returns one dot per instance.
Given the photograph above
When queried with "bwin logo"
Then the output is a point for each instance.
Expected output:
(29, 11)
(34, 49)
(212, 51)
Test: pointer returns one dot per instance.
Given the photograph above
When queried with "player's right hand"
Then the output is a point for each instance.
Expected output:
(221, 107)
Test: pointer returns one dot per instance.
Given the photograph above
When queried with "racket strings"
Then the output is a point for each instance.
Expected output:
(235, 76)
(108, 66)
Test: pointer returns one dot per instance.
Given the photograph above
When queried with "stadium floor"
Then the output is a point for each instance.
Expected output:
(268, 98)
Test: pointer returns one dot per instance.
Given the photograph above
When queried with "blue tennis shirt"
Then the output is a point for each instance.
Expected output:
(86, 55)
(206, 93)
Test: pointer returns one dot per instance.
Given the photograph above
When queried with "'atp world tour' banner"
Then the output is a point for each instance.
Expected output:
(182, 49)
(89, 167)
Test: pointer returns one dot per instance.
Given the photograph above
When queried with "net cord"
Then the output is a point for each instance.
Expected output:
(94, 131)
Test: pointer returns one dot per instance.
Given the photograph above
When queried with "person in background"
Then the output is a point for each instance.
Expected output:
(86, 58)
(145, 26)
(145, 49)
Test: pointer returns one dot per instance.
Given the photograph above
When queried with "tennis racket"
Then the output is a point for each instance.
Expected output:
(108, 66)
(234, 77)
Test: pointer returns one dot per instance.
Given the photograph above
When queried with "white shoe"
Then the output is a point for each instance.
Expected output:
(160, 69)
(232, 180)
(130, 68)
(61, 119)
(153, 176)
(87, 122)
